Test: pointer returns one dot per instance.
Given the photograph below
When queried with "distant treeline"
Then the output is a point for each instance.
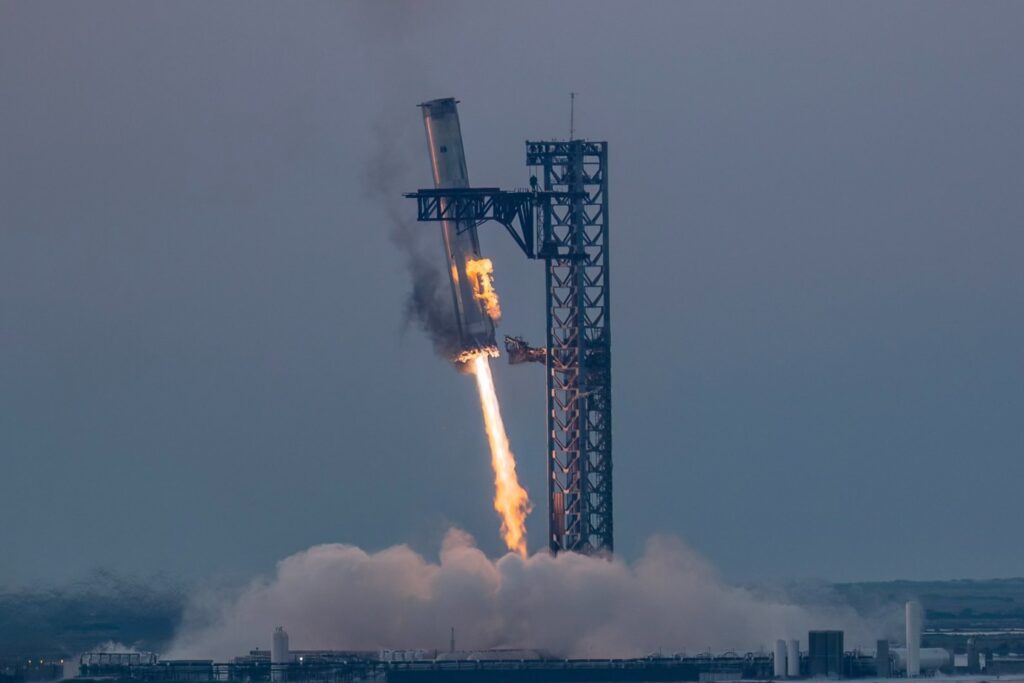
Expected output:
(66, 620)
(990, 599)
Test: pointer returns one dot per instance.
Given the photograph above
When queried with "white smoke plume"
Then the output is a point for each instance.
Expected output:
(341, 597)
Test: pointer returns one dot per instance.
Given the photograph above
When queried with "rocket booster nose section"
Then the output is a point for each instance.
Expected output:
(444, 137)
(470, 281)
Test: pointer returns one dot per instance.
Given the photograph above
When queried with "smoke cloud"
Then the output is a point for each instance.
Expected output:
(341, 597)
(428, 304)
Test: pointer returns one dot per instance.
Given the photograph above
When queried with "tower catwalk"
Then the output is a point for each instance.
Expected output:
(574, 244)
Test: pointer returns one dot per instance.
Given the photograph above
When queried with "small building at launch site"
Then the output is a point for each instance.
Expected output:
(825, 654)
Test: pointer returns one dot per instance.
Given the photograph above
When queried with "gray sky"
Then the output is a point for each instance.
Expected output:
(817, 216)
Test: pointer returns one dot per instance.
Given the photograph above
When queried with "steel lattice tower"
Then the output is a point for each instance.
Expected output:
(565, 213)
(574, 244)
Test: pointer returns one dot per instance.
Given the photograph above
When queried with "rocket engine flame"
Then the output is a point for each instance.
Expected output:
(476, 310)
(510, 499)
(482, 272)
(463, 358)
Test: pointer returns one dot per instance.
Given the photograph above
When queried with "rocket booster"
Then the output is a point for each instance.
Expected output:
(461, 243)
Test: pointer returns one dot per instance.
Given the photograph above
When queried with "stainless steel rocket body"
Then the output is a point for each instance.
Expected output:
(461, 244)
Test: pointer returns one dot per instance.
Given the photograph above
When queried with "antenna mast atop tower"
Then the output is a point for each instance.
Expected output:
(572, 115)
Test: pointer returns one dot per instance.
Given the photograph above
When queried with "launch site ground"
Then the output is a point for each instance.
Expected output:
(991, 611)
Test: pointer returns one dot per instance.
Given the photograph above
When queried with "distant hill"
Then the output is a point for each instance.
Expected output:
(65, 621)
(990, 611)
(950, 603)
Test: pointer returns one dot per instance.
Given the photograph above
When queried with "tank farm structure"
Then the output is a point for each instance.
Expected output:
(562, 220)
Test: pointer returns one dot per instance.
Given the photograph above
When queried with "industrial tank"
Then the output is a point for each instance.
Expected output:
(793, 659)
(279, 647)
(779, 659)
(928, 659)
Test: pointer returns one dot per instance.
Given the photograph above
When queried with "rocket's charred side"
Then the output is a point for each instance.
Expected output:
(461, 244)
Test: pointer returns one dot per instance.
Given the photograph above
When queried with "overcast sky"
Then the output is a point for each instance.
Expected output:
(818, 292)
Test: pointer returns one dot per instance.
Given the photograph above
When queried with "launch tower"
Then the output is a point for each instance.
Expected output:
(574, 246)
(565, 213)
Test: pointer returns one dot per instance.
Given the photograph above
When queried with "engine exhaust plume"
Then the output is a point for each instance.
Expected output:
(510, 499)
(476, 309)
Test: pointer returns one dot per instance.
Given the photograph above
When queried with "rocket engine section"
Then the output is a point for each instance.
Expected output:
(476, 306)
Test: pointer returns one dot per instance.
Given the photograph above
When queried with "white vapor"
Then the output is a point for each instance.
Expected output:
(341, 597)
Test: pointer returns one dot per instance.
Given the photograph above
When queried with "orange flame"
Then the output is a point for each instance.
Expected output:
(510, 499)
(463, 357)
(482, 273)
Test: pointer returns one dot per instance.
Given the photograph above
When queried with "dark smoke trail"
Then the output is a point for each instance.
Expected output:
(428, 303)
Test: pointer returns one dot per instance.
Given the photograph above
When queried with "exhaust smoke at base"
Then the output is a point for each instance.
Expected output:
(341, 597)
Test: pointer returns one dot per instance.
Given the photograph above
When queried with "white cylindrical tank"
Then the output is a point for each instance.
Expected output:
(780, 659)
(928, 659)
(914, 618)
(279, 647)
(793, 659)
